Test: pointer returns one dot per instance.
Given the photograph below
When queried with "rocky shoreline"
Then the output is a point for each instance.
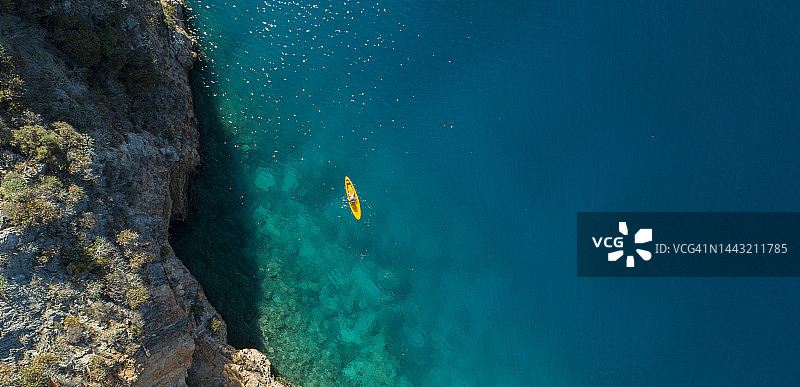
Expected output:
(98, 139)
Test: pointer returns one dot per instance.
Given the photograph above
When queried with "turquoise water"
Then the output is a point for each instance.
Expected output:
(474, 132)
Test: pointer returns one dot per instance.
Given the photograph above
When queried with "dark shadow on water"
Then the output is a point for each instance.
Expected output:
(212, 242)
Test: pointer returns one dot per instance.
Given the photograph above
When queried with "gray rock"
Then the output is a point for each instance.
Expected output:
(60, 95)
(9, 240)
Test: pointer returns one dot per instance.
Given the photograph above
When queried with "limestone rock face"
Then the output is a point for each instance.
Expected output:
(247, 369)
(79, 303)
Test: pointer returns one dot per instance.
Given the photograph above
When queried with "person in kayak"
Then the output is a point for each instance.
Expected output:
(351, 198)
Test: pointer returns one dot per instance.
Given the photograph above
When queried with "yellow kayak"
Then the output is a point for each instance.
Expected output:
(355, 206)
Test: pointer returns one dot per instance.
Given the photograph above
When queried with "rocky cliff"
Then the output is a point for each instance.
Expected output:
(97, 138)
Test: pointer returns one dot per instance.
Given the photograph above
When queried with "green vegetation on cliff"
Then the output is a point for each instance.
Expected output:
(54, 159)
(99, 46)
(78, 90)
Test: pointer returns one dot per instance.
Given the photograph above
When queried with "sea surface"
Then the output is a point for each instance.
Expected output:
(474, 131)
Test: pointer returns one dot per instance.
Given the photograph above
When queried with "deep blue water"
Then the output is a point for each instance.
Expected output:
(474, 131)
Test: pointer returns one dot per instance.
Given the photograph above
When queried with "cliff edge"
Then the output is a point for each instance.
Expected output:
(97, 138)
